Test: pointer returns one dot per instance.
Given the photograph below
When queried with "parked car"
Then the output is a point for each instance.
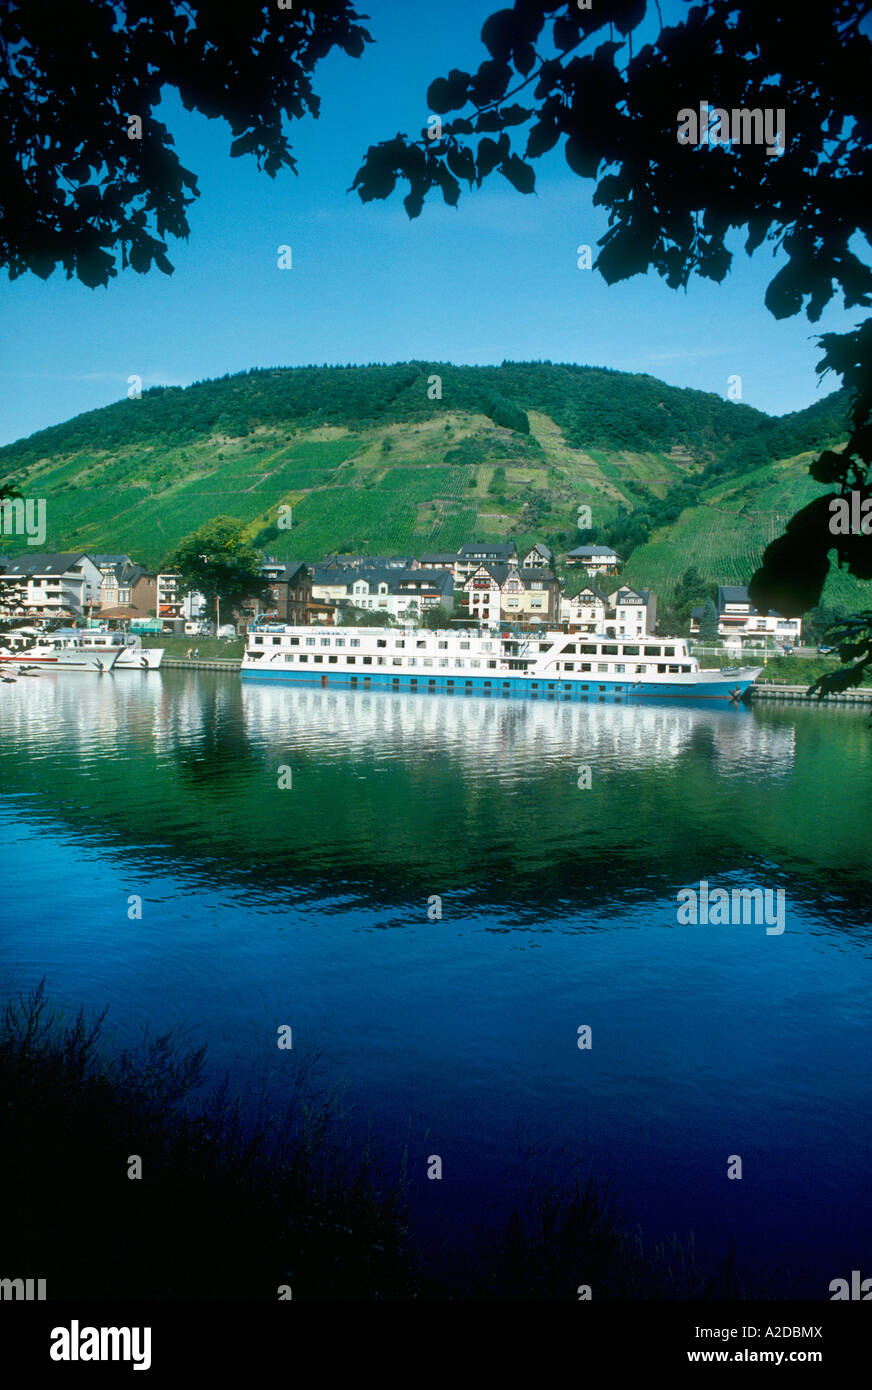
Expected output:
(788, 651)
(825, 651)
(226, 630)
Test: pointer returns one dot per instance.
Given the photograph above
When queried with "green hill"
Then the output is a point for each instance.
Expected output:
(369, 460)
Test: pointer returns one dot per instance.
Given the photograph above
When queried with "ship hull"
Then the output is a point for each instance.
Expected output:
(701, 686)
(140, 659)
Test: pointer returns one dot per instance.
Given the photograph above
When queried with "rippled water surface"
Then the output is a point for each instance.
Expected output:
(309, 905)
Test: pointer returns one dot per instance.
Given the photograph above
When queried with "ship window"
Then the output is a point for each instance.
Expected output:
(355, 642)
(398, 645)
(464, 646)
(569, 665)
(257, 640)
(584, 666)
(686, 668)
(668, 651)
(428, 661)
(325, 641)
(333, 660)
(381, 642)
(602, 666)
(673, 670)
(443, 646)
(340, 641)
(420, 644)
(587, 651)
(492, 665)
(609, 651)
(303, 657)
(412, 661)
(620, 668)
(295, 641)
(380, 660)
(318, 658)
(397, 661)
(443, 661)
(367, 660)
(652, 651)
(631, 651)
(458, 661)
(310, 641)
(661, 670)
(352, 660)
(570, 647)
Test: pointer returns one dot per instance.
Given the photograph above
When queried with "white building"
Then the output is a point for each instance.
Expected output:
(51, 585)
(511, 593)
(396, 592)
(624, 612)
(596, 559)
(469, 557)
(739, 621)
(538, 557)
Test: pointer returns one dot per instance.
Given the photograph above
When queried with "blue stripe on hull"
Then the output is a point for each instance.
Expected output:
(501, 685)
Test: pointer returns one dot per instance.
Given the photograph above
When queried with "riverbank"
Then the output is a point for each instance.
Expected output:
(165, 1193)
(777, 690)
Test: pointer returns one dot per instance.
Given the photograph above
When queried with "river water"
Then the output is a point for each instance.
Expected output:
(446, 890)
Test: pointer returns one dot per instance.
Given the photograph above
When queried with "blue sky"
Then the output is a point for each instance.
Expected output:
(495, 278)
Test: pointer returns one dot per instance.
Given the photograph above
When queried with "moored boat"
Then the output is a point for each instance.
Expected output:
(90, 649)
(568, 665)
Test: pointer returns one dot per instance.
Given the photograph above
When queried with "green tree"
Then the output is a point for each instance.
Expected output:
(349, 615)
(625, 116)
(218, 561)
(708, 623)
(77, 188)
(435, 619)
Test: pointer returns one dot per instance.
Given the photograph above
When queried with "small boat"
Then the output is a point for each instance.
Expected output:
(88, 649)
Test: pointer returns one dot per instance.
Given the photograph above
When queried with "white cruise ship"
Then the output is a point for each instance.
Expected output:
(500, 661)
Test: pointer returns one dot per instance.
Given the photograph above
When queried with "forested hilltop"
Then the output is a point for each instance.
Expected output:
(418, 456)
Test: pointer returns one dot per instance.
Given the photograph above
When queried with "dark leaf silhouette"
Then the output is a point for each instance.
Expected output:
(76, 79)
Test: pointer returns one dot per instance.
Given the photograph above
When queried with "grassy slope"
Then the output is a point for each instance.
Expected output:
(434, 487)
(726, 534)
(341, 485)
